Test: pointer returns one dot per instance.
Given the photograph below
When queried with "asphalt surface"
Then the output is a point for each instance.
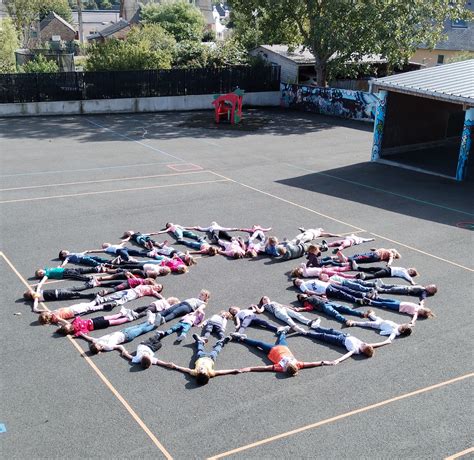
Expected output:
(76, 182)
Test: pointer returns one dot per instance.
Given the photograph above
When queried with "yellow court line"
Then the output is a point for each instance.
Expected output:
(460, 454)
(101, 375)
(422, 252)
(111, 191)
(102, 180)
(341, 416)
(287, 201)
(345, 223)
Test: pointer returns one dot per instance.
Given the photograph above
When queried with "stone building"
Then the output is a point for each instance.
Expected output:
(55, 26)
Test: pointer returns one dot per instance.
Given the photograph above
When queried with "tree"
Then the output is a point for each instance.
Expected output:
(127, 55)
(461, 56)
(39, 65)
(25, 13)
(190, 54)
(338, 31)
(155, 37)
(60, 7)
(228, 53)
(181, 19)
(8, 44)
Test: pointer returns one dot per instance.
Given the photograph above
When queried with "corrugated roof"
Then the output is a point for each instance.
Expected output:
(449, 82)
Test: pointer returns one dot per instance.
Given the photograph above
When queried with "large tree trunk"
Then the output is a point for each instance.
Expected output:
(321, 73)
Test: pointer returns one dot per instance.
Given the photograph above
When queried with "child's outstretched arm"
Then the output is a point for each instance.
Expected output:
(268, 368)
(174, 366)
(227, 372)
(123, 352)
(312, 364)
(339, 360)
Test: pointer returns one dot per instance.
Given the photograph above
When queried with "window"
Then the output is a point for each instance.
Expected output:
(459, 24)
(440, 59)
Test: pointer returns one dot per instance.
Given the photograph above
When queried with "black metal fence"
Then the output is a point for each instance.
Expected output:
(69, 86)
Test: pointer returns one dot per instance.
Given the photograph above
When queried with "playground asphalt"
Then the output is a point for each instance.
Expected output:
(76, 182)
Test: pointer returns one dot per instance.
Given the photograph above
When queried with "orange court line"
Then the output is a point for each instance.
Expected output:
(341, 416)
(345, 223)
(182, 173)
(288, 201)
(423, 252)
(101, 375)
(460, 454)
(111, 191)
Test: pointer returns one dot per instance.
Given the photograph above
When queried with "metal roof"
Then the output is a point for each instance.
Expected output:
(448, 82)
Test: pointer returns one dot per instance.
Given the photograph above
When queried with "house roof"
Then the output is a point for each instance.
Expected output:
(97, 17)
(302, 56)
(51, 16)
(299, 56)
(449, 82)
(110, 30)
(457, 38)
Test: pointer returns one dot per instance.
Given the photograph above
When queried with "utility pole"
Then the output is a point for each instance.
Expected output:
(79, 18)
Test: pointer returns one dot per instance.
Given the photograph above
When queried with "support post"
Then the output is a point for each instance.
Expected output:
(466, 142)
(379, 125)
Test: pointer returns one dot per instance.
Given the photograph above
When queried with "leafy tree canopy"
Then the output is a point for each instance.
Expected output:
(60, 7)
(24, 13)
(181, 19)
(338, 31)
(39, 65)
(8, 44)
(144, 49)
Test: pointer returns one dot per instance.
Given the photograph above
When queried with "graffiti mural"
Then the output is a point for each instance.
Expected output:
(345, 103)
(379, 125)
(466, 140)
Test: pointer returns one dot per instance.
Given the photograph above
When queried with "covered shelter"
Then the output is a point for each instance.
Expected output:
(424, 120)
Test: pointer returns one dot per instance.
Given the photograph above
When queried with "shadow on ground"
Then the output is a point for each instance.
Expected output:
(394, 189)
(174, 125)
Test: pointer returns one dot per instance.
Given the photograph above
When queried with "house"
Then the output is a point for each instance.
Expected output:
(459, 39)
(119, 30)
(93, 21)
(298, 66)
(424, 120)
(54, 28)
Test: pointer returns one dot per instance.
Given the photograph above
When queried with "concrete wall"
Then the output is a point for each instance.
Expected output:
(430, 57)
(130, 105)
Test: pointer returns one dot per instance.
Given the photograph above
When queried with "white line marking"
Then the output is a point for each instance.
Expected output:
(110, 191)
(102, 180)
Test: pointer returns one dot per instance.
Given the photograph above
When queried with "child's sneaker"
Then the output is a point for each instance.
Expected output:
(315, 324)
(283, 330)
(180, 337)
(150, 317)
(236, 335)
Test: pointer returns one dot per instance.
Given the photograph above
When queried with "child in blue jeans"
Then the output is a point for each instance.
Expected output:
(182, 327)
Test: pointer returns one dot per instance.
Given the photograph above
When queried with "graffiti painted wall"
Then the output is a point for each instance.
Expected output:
(345, 103)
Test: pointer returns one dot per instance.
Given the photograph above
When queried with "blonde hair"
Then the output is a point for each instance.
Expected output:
(297, 272)
(206, 293)
(272, 240)
(172, 300)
